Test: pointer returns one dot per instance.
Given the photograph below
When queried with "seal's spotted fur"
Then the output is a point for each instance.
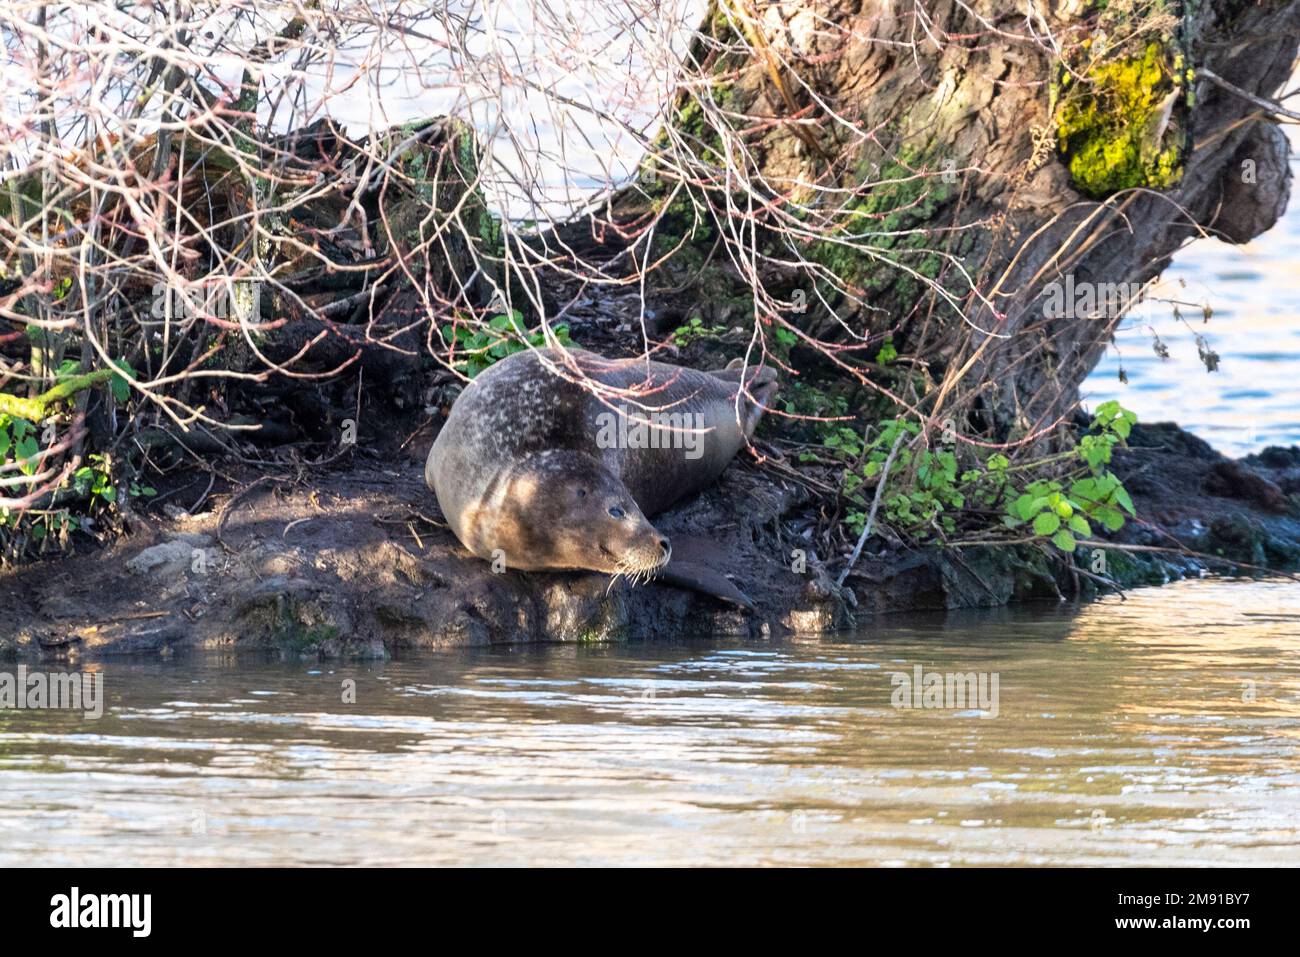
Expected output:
(520, 476)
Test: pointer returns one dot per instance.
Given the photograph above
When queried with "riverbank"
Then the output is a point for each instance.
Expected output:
(353, 561)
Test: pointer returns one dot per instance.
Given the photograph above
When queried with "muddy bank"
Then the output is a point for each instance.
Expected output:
(354, 560)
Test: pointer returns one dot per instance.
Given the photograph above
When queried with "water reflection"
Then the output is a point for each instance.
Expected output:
(1161, 730)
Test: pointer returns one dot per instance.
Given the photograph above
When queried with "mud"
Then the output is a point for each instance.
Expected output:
(354, 561)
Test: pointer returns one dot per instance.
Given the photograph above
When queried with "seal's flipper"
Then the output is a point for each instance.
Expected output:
(696, 564)
(706, 580)
(760, 384)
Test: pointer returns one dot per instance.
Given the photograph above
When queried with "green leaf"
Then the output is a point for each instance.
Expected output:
(1080, 525)
(1046, 523)
(1086, 490)
(25, 450)
(1111, 518)
(117, 383)
(1064, 541)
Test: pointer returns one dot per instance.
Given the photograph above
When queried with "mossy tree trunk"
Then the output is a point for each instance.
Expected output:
(932, 168)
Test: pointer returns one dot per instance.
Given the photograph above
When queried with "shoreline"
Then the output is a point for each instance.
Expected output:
(351, 562)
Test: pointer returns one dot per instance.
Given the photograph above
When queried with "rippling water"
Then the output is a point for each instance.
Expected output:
(1160, 730)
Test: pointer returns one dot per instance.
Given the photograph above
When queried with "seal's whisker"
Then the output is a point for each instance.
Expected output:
(636, 572)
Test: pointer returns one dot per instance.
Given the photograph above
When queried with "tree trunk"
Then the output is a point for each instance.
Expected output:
(918, 176)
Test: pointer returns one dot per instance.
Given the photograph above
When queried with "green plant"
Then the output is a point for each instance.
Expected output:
(51, 524)
(818, 416)
(502, 336)
(785, 337)
(18, 441)
(1117, 122)
(1060, 512)
(927, 492)
(922, 488)
(69, 383)
(33, 530)
(696, 329)
(94, 482)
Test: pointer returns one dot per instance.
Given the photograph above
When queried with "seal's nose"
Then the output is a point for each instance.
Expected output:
(667, 547)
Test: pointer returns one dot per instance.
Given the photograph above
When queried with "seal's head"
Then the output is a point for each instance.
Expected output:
(563, 509)
(761, 386)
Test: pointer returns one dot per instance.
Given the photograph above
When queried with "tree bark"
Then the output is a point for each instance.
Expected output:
(910, 149)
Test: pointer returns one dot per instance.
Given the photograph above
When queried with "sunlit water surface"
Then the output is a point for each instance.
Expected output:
(1161, 730)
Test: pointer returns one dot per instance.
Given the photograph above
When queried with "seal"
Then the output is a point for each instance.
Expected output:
(554, 458)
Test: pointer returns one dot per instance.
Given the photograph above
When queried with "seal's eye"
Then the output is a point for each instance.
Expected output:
(617, 512)
(582, 493)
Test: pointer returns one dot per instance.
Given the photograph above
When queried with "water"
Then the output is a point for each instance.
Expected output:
(1162, 730)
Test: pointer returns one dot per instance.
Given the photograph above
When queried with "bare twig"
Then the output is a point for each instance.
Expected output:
(871, 515)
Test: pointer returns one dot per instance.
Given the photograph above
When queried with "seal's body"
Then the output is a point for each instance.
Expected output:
(553, 458)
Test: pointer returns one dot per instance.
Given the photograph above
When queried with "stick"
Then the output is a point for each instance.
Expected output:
(1259, 101)
(871, 516)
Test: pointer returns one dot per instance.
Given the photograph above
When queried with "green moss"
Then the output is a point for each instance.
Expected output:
(869, 257)
(297, 638)
(1117, 130)
(608, 625)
